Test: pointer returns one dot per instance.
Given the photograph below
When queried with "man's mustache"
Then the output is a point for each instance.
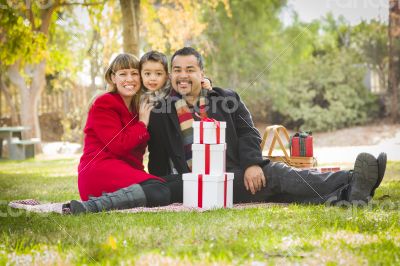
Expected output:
(179, 81)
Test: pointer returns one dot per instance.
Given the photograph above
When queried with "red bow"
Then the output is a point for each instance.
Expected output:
(207, 119)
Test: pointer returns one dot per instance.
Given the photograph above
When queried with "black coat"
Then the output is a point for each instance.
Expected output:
(242, 138)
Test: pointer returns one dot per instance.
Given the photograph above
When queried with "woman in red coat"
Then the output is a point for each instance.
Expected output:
(111, 173)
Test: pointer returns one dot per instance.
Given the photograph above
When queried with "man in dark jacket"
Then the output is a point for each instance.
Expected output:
(256, 179)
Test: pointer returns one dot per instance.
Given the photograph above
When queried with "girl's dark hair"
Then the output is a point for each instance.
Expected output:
(156, 57)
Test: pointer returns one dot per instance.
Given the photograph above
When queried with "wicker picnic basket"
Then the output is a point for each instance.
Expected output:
(277, 131)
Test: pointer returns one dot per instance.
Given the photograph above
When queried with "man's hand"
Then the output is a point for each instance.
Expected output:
(254, 179)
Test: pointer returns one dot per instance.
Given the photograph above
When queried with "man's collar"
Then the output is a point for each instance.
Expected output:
(212, 92)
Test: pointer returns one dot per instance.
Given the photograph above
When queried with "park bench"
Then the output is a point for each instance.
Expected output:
(22, 149)
(18, 148)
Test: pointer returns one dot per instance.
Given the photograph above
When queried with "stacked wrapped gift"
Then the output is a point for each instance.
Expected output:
(208, 185)
(301, 145)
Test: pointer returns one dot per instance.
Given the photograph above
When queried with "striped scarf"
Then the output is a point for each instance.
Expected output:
(186, 116)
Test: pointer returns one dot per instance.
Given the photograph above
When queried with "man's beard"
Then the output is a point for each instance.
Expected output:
(184, 91)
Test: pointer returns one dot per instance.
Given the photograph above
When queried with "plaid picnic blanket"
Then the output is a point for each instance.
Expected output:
(33, 205)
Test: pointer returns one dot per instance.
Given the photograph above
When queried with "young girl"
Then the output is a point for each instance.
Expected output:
(154, 72)
(115, 140)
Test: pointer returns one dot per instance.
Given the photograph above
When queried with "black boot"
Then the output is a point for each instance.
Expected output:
(125, 198)
(364, 178)
(382, 159)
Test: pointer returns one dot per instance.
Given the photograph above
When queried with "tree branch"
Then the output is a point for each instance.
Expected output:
(47, 13)
(31, 17)
(83, 4)
(46, 17)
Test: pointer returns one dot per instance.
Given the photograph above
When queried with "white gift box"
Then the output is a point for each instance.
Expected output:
(208, 132)
(208, 191)
(209, 159)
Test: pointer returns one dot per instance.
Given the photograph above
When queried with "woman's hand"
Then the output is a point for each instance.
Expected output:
(144, 111)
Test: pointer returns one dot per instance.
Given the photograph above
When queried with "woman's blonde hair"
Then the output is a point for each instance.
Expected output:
(123, 61)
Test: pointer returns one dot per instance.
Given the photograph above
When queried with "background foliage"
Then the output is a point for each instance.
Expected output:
(304, 75)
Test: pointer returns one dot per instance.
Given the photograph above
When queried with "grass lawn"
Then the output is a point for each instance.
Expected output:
(296, 234)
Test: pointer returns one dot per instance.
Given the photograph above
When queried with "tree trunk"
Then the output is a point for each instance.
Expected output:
(30, 96)
(10, 103)
(394, 56)
(94, 57)
(30, 92)
(130, 25)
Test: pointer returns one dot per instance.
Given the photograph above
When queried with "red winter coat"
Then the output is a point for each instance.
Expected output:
(114, 144)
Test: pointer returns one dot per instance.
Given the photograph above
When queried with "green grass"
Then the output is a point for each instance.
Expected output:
(293, 234)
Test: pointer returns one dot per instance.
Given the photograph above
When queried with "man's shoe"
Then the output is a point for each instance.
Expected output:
(382, 159)
(364, 177)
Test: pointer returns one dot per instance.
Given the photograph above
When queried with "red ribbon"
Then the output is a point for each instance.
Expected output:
(207, 159)
(200, 191)
(224, 166)
(225, 188)
(201, 132)
(217, 124)
(218, 133)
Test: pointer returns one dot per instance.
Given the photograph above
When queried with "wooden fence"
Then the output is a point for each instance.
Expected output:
(55, 102)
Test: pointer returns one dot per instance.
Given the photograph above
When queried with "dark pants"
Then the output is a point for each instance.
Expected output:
(284, 184)
(157, 193)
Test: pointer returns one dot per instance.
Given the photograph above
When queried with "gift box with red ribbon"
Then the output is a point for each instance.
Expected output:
(301, 145)
(208, 186)
(208, 131)
(208, 191)
(209, 159)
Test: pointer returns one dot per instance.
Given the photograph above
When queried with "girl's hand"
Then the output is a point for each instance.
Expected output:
(144, 112)
(206, 84)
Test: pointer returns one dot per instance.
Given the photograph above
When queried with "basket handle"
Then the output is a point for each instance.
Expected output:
(276, 130)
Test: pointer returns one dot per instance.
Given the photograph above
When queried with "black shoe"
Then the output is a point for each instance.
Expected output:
(77, 207)
(364, 178)
(129, 197)
(382, 159)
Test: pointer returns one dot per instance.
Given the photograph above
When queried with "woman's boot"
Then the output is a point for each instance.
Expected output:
(125, 198)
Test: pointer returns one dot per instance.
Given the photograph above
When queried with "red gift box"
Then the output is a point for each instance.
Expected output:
(295, 147)
(301, 145)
